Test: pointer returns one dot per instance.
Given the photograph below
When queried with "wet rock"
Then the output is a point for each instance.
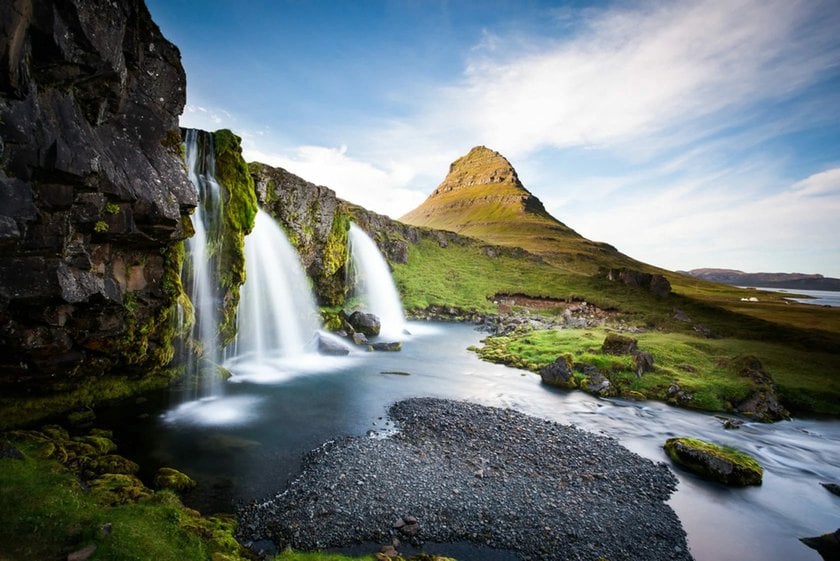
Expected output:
(558, 373)
(392, 346)
(329, 346)
(827, 545)
(596, 383)
(832, 488)
(763, 403)
(365, 323)
(714, 462)
(360, 339)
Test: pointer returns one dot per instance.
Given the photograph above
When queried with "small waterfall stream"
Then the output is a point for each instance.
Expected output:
(200, 265)
(374, 283)
(277, 314)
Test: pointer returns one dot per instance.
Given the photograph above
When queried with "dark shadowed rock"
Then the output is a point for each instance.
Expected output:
(827, 545)
(656, 284)
(832, 488)
(391, 346)
(616, 344)
(763, 403)
(642, 362)
(365, 323)
(559, 374)
(93, 193)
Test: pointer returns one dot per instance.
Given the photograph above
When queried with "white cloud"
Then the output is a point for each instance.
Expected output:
(379, 189)
(721, 222)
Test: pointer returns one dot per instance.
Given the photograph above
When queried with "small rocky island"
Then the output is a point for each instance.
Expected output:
(461, 472)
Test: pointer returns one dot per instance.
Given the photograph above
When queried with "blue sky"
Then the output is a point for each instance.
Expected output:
(687, 133)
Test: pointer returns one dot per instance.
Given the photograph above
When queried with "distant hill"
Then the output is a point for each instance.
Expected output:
(768, 280)
(482, 197)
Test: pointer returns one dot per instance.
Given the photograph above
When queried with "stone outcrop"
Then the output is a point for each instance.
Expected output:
(316, 222)
(714, 462)
(656, 284)
(763, 403)
(93, 194)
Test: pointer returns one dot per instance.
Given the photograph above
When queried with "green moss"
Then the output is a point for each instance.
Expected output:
(720, 463)
(40, 498)
(112, 208)
(170, 478)
(239, 212)
(710, 371)
(100, 227)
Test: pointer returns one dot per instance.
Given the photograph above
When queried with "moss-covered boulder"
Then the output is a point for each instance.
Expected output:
(169, 478)
(711, 461)
(616, 344)
(118, 488)
(559, 373)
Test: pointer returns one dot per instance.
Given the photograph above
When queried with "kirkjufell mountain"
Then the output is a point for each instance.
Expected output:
(482, 197)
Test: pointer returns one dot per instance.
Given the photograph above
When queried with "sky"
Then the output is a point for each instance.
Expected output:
(688, 134)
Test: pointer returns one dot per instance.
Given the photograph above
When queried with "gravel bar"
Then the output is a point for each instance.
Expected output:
(461, 472)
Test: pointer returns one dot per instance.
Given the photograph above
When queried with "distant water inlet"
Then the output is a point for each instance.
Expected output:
(373, 283)
(277, 314)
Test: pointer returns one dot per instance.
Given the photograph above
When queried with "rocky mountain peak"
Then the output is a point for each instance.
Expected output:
(480, 166)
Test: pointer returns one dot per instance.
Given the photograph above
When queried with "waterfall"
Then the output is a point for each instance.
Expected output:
(277, 316)
(374, 284)
(199, 267)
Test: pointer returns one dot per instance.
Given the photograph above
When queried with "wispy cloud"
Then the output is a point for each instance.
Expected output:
(373, 187)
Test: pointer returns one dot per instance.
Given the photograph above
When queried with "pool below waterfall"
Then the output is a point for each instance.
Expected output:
(247, 443)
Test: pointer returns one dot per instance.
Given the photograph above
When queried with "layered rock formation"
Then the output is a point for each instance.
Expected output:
(93, 194)
(317, 221)
(482, 197)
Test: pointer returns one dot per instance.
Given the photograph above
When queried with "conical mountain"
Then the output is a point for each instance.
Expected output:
(482, 197)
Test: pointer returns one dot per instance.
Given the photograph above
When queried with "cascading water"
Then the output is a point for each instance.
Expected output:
(374, 284)
(277, 315)
(199, 266)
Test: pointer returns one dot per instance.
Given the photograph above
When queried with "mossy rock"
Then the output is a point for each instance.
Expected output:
(616, 344)
(99, 444)
(711, 461)
(118, 488)
(111, 463)
(169, 478)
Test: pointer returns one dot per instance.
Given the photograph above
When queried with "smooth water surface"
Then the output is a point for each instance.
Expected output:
(815, 297)
(249, 443)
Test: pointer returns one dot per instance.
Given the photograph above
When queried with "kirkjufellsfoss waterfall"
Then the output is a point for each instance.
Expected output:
(374, 283)
(199, 269)
(277, 316)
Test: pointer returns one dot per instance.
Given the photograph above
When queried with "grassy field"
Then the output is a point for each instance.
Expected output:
(695, 335)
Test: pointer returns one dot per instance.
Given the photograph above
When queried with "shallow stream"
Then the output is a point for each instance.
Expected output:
(248, 442)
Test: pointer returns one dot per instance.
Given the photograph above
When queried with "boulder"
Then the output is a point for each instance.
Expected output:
(827, 545)
(763, 403)
(393, 346)
(363, 322)
(329, 346)
(169, 478)
(616, 344)
(596, 383)
(559, 373)
(360, 339)
(642, 362)
(718, 463)
(832, 488)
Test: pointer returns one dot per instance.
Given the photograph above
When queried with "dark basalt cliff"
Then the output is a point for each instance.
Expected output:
(93, 193)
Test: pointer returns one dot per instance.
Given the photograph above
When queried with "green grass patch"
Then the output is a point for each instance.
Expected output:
(709, 369)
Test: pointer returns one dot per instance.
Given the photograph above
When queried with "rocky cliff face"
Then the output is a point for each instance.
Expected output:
(317, 221)
(93, 193)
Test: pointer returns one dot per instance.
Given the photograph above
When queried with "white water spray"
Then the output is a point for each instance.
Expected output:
(374, 283)
(199, 267)
(277, 314)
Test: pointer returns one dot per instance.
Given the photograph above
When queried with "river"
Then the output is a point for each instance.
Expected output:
(247, 443)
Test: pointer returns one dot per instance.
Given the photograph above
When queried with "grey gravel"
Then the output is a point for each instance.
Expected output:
(469, 473)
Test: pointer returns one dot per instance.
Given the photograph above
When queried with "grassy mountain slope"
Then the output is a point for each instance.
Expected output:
(482, 197)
